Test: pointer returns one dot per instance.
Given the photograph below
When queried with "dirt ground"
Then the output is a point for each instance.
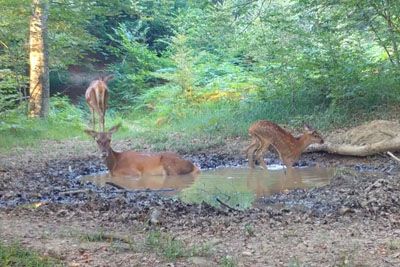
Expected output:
(353, 221)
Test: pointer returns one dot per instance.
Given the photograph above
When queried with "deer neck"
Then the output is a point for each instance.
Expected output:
(111, 159)
(303, 142)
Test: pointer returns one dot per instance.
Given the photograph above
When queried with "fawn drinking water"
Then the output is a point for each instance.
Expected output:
(265, 133)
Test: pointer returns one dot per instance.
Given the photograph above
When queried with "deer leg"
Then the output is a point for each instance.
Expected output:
(102, 122)
(93, 119)
(260, 154)
(98, 112)
(289, 165)
(284, 161)
(250, 151)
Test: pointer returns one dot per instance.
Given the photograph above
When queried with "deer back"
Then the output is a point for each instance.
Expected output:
(131, 163)
(97, 95)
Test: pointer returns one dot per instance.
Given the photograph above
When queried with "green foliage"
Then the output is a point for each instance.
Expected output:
(188, 70)
(287, 65)
(133, 74)
(9, 96)
(13, 55)
(183, 60)
(16, 255)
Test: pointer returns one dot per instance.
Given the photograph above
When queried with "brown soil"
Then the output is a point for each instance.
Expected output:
(354, 221)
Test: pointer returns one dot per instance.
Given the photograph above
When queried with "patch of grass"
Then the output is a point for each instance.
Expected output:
(172, 248)
(295, 262)
(249, 230)
(95, 237)
(64, 121)
(101, 236)
(228, 261)
(394, 244)
(16, 255)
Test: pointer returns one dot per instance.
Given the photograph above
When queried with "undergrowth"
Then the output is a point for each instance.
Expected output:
(16, 255)
(182, 127)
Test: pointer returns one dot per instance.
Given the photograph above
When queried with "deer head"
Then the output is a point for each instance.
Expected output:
(103, 139)
(313, 135)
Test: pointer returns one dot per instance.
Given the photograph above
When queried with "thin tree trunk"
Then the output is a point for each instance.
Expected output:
(392, 34)
(375, 31)
(38, 58)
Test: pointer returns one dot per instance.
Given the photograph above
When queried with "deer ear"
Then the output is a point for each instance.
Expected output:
(114, 128)
(91, 133)
(107, 78)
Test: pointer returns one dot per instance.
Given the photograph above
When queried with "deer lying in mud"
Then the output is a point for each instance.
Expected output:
(96, 97)
(131, 163)
(265, 133)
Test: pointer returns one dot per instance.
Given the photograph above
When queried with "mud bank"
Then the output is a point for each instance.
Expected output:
(358, 188)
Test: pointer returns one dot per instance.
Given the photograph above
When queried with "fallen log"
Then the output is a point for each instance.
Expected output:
(358, 150)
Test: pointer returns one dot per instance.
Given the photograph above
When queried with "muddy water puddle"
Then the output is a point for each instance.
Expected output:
(237, 187)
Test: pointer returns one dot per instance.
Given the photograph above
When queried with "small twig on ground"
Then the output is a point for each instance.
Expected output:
(225, 205)
(74, 192)
(115, 185)
(393, 156)
(123, 189)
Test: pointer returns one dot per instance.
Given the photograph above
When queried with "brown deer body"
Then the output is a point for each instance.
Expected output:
(96, 97)
(265, 134)
(131, 163)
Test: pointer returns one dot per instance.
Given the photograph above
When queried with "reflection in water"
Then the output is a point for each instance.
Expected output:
(277, 180)
(239, 187)
(144, 182)
(235, 186)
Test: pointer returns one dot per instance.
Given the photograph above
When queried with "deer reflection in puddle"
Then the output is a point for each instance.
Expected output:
(279, 180)
(227, 181)
(143, 182)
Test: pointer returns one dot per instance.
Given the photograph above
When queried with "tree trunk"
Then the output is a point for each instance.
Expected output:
(392, 34)
(38, 58)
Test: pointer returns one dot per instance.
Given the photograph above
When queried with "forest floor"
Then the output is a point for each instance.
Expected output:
(353, 221)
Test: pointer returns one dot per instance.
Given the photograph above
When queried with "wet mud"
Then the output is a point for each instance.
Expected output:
(366, 189)
(354, 220)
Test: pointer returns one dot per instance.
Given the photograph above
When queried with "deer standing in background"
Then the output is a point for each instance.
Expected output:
(131, 163)
(97, 96)
(265, 134)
